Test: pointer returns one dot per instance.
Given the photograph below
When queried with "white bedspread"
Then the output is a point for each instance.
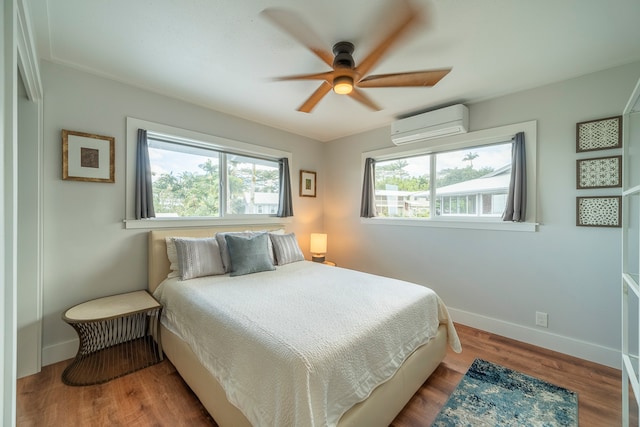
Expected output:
(301, 345)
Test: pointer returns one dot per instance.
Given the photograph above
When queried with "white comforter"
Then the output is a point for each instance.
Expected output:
(301, 345)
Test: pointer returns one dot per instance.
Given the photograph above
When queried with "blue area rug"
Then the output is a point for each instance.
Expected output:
(492, 395)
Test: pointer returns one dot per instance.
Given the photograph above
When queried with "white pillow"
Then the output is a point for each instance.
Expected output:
(198, 257)
(172, 254)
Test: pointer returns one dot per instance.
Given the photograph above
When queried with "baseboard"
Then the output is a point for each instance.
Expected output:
(573, 347)
(58, 352)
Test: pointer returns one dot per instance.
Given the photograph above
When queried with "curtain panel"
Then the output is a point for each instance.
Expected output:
(144, 190)
(368, 203)
(285, 206)
(515, 209)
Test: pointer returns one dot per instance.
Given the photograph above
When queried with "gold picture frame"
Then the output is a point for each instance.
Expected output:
(88, 157)
(307, 184)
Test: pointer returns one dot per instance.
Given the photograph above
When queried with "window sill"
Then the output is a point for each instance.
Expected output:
(202, 222)
(455, 223)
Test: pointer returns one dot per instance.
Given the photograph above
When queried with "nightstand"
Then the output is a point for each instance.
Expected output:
(331, 263)
(118, 335)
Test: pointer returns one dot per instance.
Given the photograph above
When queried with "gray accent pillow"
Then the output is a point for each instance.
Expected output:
(249, 254)
(198, 257)
(224, 251)
(286, 248)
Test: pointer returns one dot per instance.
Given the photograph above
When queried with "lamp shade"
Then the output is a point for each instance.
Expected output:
(318, 243)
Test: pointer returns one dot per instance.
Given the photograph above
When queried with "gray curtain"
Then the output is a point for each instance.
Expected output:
(285, 207)
(368, 204)
(144, 191)
(517, 198)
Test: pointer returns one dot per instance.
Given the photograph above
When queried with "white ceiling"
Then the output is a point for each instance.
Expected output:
(224, 54)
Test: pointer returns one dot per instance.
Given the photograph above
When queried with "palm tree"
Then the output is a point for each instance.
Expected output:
(469, 158)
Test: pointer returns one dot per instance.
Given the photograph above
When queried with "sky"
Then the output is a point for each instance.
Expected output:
(494, 156)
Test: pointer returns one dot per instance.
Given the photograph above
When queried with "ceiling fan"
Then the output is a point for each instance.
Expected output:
(346, 77)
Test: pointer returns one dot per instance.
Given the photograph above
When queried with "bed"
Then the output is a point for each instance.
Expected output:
(286, 385)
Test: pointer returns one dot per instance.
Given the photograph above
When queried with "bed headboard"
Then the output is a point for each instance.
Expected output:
(158, 266)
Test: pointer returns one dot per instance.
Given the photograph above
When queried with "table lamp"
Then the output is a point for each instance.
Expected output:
(318, 247)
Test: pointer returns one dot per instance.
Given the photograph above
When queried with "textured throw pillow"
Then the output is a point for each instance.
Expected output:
(286, 248)
(172, 255)
(224, 251)
(198, 257)
(249, 254)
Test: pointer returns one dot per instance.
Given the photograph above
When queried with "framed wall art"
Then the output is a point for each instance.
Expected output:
(601, 134)
(598, 211)
(601, 172)
(307, 184)
(88, 157)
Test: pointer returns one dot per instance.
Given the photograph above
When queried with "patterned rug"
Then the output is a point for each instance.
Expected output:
(492, 395)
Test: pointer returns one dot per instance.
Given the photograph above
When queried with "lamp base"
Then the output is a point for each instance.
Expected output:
(317, 258)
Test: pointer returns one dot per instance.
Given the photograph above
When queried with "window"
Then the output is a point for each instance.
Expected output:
(402, 187)
(200, 179)
(458, 181)
(463, 181)
(187, 181)
(473, 181)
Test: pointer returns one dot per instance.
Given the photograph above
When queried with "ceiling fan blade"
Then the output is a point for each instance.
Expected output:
(327, 76)
(411, 79)
(410, 16)
(359, 96)
(315, 97)
(295, 26)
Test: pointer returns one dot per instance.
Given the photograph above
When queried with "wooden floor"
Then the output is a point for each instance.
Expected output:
(157, 396)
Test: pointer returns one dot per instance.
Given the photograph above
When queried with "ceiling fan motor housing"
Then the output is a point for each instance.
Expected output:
(342, 52)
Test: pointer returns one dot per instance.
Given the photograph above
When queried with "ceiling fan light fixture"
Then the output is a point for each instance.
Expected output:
(343, 85)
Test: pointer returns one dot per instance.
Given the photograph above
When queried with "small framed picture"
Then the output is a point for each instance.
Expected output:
(307, 184)
(88, 157)
(601, 134)
(599, 211)
(601, 172)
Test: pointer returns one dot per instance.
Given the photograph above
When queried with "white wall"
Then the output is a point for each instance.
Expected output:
(497, 280)
(87, 252)
(28, 273)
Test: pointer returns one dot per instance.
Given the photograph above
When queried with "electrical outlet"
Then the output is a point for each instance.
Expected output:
(542, 319)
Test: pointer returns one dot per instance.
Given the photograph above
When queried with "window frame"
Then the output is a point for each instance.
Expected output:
(464, 141)
(200, 140)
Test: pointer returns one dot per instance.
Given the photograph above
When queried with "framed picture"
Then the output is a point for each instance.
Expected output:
(601, 134)
(307, 184)
(601, 172)
(599, 211)
(88, 157)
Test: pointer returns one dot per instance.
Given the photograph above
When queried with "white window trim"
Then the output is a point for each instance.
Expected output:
(202, 139)
(481, 137)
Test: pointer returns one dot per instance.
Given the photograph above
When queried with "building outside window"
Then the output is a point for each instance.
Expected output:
(460, 183)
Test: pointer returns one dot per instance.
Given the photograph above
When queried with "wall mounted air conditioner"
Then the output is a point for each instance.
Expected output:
(433, 124)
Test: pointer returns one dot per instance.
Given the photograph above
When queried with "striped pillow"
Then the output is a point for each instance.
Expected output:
(198, 257)
(286, 248)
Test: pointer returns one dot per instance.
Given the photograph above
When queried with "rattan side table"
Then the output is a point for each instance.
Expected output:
(118, 335)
